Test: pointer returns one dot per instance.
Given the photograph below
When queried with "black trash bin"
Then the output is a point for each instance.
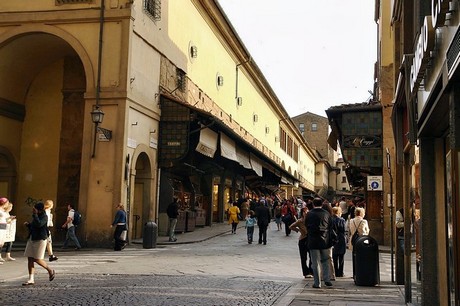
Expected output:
(366, 262)
(149, 237)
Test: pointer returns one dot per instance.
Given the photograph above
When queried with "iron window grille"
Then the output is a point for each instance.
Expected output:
(61, 2)
(153, 8)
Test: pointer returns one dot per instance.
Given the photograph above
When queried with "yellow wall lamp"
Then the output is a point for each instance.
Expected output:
(97, 115)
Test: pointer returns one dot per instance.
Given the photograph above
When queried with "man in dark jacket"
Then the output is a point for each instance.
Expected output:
(173, 212)
(263, 218)
(319, 224)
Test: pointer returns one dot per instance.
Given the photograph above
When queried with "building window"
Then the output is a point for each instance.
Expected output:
(181, 79)
(302, 128)
(344, 179)
(283, 140)
(314, 127)
(153, 8)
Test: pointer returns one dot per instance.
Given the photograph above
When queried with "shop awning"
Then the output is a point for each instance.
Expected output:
(208, 142)
(227, 147)
(256, 164)
(243, 158)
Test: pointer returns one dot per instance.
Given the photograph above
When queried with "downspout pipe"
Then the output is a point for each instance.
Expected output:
(99, 65)
(99, 57)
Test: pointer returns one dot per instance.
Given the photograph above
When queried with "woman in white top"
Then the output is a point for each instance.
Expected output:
(10, 231)
(358, 223)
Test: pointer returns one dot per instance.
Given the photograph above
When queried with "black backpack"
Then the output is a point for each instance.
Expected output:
(76, 218)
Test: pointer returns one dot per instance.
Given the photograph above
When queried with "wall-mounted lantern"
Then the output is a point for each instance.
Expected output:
(97, 116)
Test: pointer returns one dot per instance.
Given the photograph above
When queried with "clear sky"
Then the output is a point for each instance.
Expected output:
(314, 53)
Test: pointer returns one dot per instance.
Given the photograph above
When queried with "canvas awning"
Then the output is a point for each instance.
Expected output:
(208, 142)
(256, 165)
(227, 147)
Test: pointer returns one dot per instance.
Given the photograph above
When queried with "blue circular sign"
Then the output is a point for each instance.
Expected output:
(374, 185)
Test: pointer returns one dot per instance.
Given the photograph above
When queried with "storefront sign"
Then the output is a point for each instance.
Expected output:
(426, 40)
(362, 142)
(425, 44)
(439, 9)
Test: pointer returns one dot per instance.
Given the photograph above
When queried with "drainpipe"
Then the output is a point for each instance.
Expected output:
(99, 58)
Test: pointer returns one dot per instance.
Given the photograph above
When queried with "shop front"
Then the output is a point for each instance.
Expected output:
(207, 167)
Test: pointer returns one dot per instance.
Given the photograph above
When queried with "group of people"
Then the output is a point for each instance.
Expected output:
(324, 236)
(39, 238)
(259, 215)
(324, 228)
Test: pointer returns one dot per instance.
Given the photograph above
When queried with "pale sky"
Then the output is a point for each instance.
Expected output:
(314, 53)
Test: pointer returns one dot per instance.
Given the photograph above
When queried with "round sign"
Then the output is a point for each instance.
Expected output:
(374, 185)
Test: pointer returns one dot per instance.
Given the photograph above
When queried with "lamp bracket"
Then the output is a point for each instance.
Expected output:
(107, 133)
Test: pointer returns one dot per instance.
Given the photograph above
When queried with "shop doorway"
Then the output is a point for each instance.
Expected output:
(142, 205)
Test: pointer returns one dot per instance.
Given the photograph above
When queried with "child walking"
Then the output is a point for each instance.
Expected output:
(250, 222)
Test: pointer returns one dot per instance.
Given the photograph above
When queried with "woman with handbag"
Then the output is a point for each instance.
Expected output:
(36, 244)
(120, 232)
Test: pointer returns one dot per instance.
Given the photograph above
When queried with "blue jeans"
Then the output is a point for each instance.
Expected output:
(320, 263)
(71, 236)
(250, 232)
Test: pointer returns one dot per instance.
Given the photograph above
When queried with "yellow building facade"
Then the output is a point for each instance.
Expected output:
(136, 61)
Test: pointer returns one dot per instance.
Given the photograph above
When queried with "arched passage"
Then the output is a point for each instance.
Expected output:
(42, 89)
(141, 209)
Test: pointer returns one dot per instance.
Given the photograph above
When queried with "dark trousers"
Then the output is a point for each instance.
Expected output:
(303, 251)
(338, 264)
(263, 233)
(119, 243)
(234, 226)
(287, 230)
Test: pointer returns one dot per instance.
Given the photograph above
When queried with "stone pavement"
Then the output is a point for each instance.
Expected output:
(344, 292)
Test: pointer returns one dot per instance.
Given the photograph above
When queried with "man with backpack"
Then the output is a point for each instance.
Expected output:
(71, 227)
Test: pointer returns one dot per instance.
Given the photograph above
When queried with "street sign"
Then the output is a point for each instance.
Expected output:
(375, 183)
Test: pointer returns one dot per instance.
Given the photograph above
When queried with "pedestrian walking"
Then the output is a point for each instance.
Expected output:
(233, 211)
(120, 233)
(288, 215)
(244, 208)
(277, 214)
(49, 204)
(3, 224)
(250, 224)
(10, 231)
(36, 244)
(173, 212)
(340, 247)
(299, 227)
(263, 219)
(319, 224)
(71, 228)
(358, 224)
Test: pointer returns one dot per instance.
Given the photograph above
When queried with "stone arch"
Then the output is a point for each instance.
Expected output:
(142, 189)
(59, 33)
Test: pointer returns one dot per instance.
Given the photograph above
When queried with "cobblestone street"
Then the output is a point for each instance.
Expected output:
(224, 270)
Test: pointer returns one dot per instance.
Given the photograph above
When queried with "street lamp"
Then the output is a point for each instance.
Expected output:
(97, 115)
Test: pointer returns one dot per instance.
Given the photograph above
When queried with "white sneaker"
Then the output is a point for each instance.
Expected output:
(10, 259)
(2, 260)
